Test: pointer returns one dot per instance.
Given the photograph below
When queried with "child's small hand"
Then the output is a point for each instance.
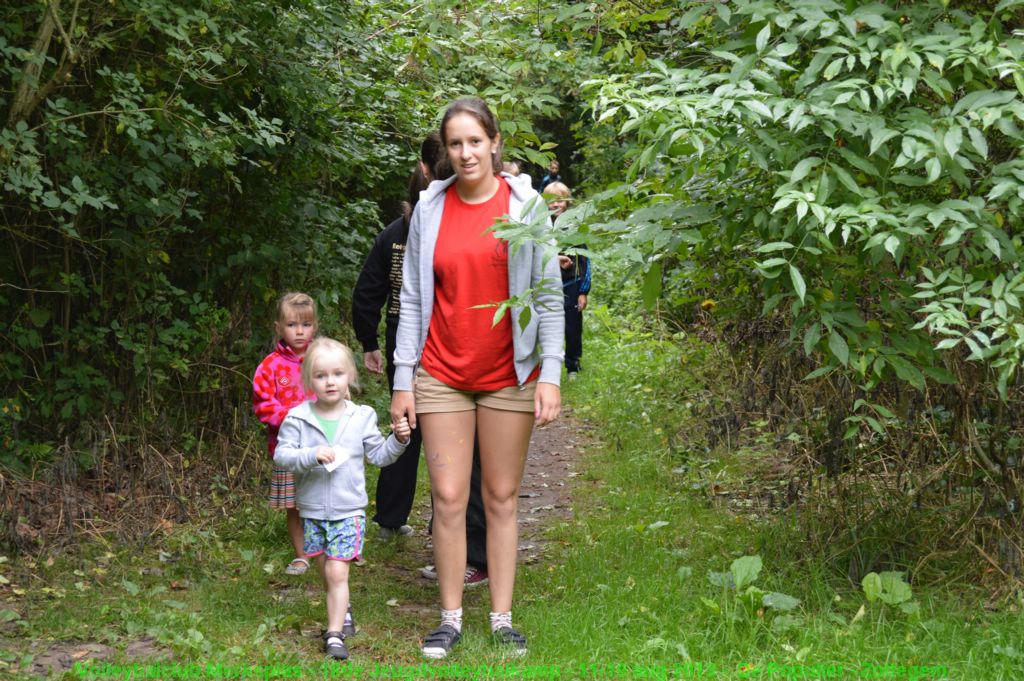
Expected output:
(324, 454)
(402, 430)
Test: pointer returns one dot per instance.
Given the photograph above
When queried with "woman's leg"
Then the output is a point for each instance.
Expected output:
(504, 439)
(335, 574)
(448, 447)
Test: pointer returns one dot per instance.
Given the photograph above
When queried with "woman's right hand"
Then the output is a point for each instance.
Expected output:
(403, 405)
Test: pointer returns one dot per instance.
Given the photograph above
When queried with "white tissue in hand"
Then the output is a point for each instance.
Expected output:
(340, 455)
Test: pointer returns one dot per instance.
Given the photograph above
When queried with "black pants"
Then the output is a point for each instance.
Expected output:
(396, 485)
(573, 333)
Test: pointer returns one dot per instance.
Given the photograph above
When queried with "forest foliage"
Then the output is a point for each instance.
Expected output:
(839, 183)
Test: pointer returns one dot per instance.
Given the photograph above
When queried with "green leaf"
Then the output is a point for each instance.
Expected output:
(952, 140)
(724, 13)
(781, 602)
(811, 337)
(652, 286)
(774, 246)
(872, 585)
(762, 37)
(708, 603)
(7, 615)
(745, 570)
(894, 588)
(837, 344)
(39, 316)
(803, 168)
(724, 580)
(772, 262)
(798, 282)
(819, 372)
(759, 108)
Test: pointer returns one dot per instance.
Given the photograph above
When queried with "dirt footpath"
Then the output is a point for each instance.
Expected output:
(544, 499)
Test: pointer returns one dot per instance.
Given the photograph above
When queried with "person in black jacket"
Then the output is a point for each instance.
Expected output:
(575, 284)
(380, 284)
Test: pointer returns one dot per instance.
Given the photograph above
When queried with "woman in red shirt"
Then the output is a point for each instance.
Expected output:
(473, 376)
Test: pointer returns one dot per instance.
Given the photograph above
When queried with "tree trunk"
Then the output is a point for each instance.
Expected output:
(26, 98)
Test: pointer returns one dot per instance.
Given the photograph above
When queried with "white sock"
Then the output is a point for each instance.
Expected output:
(501, 619)
(452, 618)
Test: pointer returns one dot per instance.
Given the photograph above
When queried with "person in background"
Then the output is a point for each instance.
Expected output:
(552, 175)
(323, 443)
(276, 388)
(379, 286)
(474, 377)
(575, 284)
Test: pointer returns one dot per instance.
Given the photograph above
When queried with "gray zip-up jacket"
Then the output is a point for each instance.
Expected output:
(340, 493)
(540, 342)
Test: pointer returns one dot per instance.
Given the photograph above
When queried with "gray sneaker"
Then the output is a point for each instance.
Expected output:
(392, 532)
(511, 640)
(334, 645)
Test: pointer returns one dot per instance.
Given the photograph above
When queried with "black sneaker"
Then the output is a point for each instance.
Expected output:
(440, 641)
(334, 645)
(349, 628)
(510, 639)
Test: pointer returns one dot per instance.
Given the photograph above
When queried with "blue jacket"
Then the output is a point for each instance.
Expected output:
(576, 278)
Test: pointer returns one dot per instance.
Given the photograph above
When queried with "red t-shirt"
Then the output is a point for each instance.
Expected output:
(463, 350)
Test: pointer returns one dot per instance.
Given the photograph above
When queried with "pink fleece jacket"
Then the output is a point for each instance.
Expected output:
(276, 388)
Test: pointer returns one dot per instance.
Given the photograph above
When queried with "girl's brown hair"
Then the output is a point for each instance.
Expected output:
(477, 108)
(302, 304)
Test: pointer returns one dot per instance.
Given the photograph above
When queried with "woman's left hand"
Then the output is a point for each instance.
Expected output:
(547, 403)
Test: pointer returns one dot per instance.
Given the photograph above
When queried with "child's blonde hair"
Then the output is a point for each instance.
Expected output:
(303, 305)
(322, 345)
(558, 189)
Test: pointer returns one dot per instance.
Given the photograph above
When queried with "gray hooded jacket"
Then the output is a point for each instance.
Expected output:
(340, 493)
(540, 342)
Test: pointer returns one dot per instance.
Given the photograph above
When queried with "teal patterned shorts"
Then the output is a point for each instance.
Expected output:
(338, 539)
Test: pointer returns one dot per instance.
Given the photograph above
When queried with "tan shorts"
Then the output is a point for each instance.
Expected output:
(433, 396)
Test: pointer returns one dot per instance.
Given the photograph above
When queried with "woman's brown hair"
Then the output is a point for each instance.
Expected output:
(478, 109)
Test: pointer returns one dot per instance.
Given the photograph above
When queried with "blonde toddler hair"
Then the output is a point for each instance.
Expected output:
(558, 189)
(322, 345)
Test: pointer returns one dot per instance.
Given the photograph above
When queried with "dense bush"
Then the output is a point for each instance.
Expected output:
(168, 168)
(848, 174)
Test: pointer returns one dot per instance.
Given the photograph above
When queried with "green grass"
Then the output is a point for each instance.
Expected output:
(625, 592)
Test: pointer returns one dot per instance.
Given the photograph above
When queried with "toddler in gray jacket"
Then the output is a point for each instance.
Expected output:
(324, 444)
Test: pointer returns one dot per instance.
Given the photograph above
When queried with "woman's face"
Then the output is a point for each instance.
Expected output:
(469, 148)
